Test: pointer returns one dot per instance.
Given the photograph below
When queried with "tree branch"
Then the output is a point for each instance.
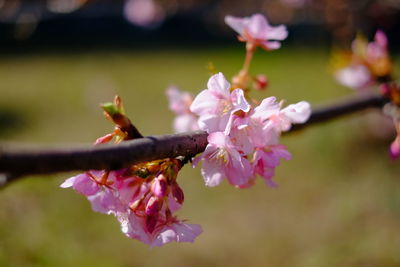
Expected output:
(16, 163)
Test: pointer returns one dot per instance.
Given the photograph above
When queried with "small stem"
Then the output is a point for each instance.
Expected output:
(250, 48)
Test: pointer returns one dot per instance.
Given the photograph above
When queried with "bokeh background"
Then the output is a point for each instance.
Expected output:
(338, 200)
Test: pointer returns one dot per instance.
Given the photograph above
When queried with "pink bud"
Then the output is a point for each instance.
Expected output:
(260, 82)
(177, 193)
(151, 222)
(104, 139)
(394, 150)
(159, 186)
(385, 89)
(153, 206)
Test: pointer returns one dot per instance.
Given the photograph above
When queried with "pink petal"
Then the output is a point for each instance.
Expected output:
(277, 33)
(219, 86)
(266, 109)
(204, 103)
(218, 139)
(258, 26)
(213, 123)
(238, 24)
(281, 151)
(106, 202)
(212, 173)
(298, 113)
(356, 77)
(69, 182)
(179, 102)
(166, 236)
(179, 232)
(85, 185)
(187, 232)
(185, 123)
(271, 45)
(381, 39)
(239, 101)
(134, 227)
(172, 204)
(238, 172)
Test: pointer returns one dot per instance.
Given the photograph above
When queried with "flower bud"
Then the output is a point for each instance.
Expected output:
(177, 193)
(153, 206)
(394, 150)
(159, 186)
(151, 222)
(104, 139)
(260, 82)
(385, 89)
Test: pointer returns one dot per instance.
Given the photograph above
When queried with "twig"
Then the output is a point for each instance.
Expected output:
(14, 163)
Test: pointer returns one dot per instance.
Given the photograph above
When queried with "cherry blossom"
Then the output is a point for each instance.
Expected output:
(179, 103)
(266, 159)
(142, 197)
(355, 77)
(369, 63)
(165, 232)
(269, 111)
(217, 103)
(257, 31)
(221, 159)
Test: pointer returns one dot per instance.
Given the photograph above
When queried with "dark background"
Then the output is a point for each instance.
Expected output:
(68, 24)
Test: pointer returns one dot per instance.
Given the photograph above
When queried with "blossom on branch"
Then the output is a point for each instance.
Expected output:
(257, 31)
(143, 197)
(216, 104)
(367, 64)
(243, 141)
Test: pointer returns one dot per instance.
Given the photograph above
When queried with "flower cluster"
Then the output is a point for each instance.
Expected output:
(142, 197)
(368, 63)
(243, 141)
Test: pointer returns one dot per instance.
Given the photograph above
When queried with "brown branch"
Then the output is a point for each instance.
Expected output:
(17, 163)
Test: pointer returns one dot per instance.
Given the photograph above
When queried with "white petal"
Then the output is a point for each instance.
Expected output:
(219, 86)
(298, 113)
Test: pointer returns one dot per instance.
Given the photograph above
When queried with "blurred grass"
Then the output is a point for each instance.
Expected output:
(338, 203)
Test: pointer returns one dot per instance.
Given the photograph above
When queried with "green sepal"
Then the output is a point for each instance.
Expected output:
(110, 108)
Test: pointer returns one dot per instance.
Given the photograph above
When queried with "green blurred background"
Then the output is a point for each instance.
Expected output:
(338, 200)
(337, 204)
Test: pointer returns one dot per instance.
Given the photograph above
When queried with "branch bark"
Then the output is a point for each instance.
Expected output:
(16, 163)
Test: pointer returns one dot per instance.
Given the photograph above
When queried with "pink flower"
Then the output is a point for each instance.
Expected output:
(179, 232)
(370, 63)
(82, 183)
(102, 196)
(221, 159)
(379, 48)
(179, 103)
(265, 160)
(258, 31)
(269, 111)
(217, 103)
(144, 13)
(165, 231)
(354, 76)
(377, 55)
(143, 205)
